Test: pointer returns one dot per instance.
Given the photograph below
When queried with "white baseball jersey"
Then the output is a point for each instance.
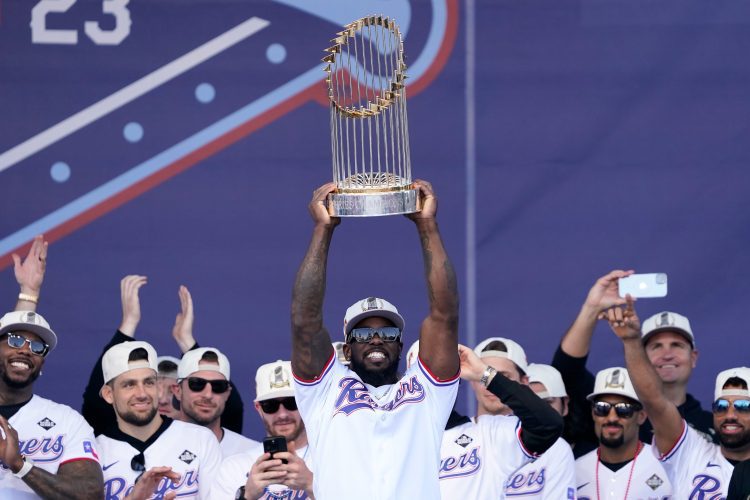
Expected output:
(235, 469)
(375, 442)
(233, 443)
(477, 457)
(51, 434)
(552, 476)
(697, 469)
(191, 450)
(649, 480)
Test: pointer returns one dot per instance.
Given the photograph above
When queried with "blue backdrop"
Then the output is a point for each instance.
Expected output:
(182, 140)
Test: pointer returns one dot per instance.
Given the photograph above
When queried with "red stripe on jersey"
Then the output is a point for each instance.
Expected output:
(434, 378)
(677, 444)
(326, 368)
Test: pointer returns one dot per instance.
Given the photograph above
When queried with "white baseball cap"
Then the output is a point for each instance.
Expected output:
(412, 354)
(550, 378)
(192, 361)
(28, 321)
(513, 351)
(667, 321)
(741, 372)
(274, 380)
(371, 306)
(115, 360)
(339, 348)
(162, 369)
(613, 380)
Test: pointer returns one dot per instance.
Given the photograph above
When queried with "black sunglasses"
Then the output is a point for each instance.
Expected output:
(721, 406)
(366, 334)
(623, 410)
(272, 405)
(197, 384)
(35, 346)
(138, 464)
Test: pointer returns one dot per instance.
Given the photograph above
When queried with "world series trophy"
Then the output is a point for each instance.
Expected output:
(369, 129)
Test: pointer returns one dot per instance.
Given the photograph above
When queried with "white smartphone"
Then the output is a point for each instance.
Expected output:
(643, 285)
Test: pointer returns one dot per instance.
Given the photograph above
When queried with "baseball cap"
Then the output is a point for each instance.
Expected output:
(28, 321)
(667, 321)
(412, 354)
(164, 367)
(513, 351)
(115, 360)
(371, 306)
(192, 361)
(613, 380)
(274, 380)
(721, 379)
(550, 378)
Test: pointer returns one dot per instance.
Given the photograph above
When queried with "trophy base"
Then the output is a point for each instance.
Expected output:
(373, 204)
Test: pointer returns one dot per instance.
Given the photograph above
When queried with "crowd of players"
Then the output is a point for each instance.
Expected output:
(161, 427)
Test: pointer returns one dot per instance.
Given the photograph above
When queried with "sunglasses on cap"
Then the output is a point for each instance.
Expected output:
(197, 384)
(623, 410)
(366, 334)
(272, 405)
(35, 346)
(721, 406)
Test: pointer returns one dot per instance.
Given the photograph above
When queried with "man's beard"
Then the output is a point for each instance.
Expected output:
(291, 436)
(20, 384)
(388, 375)
(200, 419)
(140, 421)
(615, 442)
(736, 441)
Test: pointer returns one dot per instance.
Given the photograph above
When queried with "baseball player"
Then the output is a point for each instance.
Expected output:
(256, 474)
(46, 449)
(167, 378)
(552, 475)
(145, 441)
(670, 344)
(202, 390)
(377, 432)
(622, 466)
(696, 468)
(479, 455)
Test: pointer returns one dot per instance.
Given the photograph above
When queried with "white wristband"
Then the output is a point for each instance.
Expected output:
(28, 464)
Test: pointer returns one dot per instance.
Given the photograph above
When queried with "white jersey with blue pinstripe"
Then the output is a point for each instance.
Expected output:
(375, 442)
(478, 457)
(696, 468)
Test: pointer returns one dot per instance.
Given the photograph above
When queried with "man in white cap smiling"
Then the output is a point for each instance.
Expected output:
(622, 466)
(171, 456)
(697, 468)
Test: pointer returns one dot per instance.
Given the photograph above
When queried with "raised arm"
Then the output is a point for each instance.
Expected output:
(438, 336)
(311, 343)
(30, 274)
(664, 416)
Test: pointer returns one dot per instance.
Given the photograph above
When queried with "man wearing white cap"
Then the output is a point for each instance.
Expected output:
(202, 390)
(256, 474)
(622, 466)
(696, 468)
(513, 426)
(183, 457)
(166, 367)
(670, 345)
(375, 433)
(552, 475)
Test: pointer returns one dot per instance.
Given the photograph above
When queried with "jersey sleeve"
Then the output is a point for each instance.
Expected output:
(560, 481)
(441, 394)
(231, 475)
(310, 394)
(210, 465)
(79, 442)
(502, 434)
(684, 455)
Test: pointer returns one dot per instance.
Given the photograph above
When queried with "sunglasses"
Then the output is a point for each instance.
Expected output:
(363, 335)
(35, 346)
(623, 410)
(197, 384)
(138, 464)
(272, 405)
(721, 406)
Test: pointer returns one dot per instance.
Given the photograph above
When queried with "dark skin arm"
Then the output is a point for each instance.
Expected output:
(80, 479)
(438, 336)
(311, 342)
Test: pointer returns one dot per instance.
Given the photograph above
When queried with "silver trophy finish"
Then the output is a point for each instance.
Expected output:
(369, 128)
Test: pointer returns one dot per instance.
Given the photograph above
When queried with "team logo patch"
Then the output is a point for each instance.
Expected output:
(654, 482)
(186, 457)
(88, 448)
(463, 440)
(46, 424)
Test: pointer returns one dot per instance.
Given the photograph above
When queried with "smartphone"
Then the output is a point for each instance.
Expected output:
(643, 285)
(275, 444)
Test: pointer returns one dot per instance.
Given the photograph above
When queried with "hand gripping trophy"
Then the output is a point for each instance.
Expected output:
(369, 129)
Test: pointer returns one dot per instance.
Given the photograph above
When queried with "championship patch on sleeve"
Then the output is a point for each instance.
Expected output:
(89, 448)
(571, 494)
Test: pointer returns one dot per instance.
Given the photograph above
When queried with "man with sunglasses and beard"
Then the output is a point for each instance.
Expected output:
(696, 468)
(174, 458)
(256, 474)
(381, 428)
(203, 389)
(622, 466)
